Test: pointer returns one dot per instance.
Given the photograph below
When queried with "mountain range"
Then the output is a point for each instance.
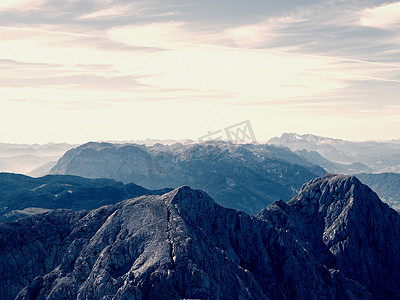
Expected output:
(222, 183)
(22, 195)
(25, 158)
(334, 240)
(386, 185)
(369, 156)
(333, 167)
(246, 177)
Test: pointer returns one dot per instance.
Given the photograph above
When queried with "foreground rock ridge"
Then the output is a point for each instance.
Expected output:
(334, 240)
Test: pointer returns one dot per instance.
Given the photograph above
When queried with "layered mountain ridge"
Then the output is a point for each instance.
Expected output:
(334, 240)
(23, 158)
(245, 177)
(386, 185)
(22, 195)
(368, 156)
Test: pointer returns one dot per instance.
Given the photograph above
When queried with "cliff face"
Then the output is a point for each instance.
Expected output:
(335, 240)
(348, 226)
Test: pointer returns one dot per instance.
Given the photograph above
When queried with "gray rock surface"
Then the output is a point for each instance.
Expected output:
(244, 177)
(348, 228)
(335, 240)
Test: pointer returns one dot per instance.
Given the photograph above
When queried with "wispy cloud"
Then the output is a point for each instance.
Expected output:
(386, 16)
(161, 35)
(47, 30)
(318, 64)
(119, 10)
(20, 5)
(198, 62)
(258, 34)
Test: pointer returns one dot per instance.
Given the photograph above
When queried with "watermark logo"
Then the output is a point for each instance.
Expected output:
(240, 133)
(235, 134)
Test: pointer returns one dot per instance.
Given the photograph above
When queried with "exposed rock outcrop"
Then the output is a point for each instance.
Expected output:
(335, 240)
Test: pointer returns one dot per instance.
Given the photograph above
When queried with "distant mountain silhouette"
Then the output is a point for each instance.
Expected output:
(386, 185)
(332, 167)
(24, 158)
(378, 156)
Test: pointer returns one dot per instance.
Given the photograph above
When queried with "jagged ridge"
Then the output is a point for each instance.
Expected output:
(349, 227)
(183, 245)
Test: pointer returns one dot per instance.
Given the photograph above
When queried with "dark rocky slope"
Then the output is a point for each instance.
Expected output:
(349, 228)
(19, 192)
(335, 240)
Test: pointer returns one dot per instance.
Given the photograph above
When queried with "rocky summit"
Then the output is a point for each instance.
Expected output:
(334, 240)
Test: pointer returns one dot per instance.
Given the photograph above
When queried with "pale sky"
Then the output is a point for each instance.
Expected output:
(77, 70)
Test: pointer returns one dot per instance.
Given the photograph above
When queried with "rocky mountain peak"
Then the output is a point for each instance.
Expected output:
(334, 195)
(328, 194)
(190, 203)
(347, 227)
(335, 240)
